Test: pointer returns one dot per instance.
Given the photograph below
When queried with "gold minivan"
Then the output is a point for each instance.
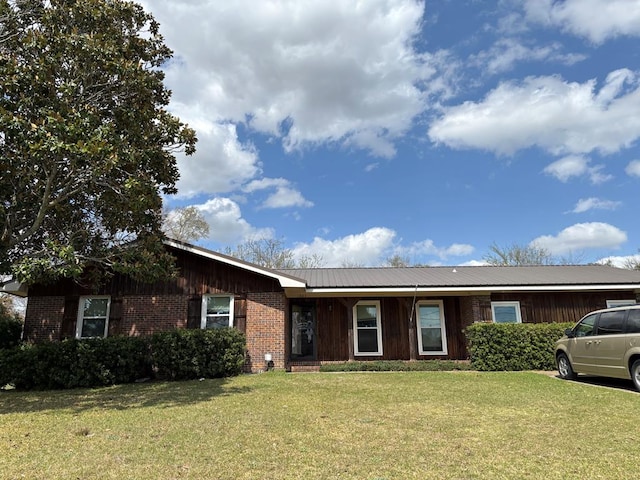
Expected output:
(605, 343)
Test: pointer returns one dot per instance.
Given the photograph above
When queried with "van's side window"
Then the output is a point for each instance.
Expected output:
(611, 323)
(633, 322)
(585, 327)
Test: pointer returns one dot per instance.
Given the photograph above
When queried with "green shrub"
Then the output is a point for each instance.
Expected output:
(10, 325)
(176, 355)
(522, 346)
(189, 354)
(395, 366)
(76, 363)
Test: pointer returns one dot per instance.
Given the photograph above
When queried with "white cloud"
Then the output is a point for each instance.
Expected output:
(506, 52)
(586, 204)
(306, 72)
(547, 112)
(427, 247)
(368, 248)
(633, 168)
(582, 236)
(576, 166)
(372, 247)
(220, 164)
(226, 224)
(621, 261)
(597, 20)
(284, 196)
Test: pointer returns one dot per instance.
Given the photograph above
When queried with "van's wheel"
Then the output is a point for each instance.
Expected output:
(635, 374)
(567, 373)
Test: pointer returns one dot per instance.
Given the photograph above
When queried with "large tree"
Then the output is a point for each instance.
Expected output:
(518, 255)
(86, 143)
(186, 224)
(271, 253)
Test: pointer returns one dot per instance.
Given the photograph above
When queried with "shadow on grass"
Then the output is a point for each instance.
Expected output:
(155, 394)
(615, 383)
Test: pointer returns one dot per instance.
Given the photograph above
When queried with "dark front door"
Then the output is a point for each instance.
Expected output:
(303, 331)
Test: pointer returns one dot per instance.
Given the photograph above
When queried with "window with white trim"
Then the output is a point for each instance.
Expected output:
(367, 328)
(93, 316)
(620, 303)
(506, 312)
(217, 311)
(432, 337)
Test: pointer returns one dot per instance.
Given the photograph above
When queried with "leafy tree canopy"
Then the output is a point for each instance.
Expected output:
(86, 143)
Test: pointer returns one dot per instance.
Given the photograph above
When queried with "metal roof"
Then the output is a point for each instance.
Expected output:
(473, 277)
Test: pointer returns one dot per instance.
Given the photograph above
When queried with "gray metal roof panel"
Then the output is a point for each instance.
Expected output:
(482, 276)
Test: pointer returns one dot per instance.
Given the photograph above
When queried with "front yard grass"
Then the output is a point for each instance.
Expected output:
(369, 426)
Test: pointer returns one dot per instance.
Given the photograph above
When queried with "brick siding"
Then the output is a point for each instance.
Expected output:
(148, 314)
(265, 330)
(44, 315)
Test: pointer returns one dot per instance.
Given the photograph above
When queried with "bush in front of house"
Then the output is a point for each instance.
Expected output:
(189, 354)
(396, 366)
(174, 355)
(520, 346)
(76, 363)
(10, 326)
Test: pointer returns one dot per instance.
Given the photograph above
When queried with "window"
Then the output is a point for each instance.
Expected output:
(432, 338)
(619, 303)
(506, 312)
(633, 321)
(93, 317)
(217, 311)
(585, 327)
(367, 337)
(611, 323)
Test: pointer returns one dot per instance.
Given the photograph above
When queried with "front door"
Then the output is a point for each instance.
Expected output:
(303, 331)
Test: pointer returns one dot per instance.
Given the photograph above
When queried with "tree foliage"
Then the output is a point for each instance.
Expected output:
(272, 253)
(185, 224)
(86, 143)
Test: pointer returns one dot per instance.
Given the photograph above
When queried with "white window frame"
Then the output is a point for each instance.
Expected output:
(378, 328)
(620, 303)
(81, 318)
(515, 304)
(443, 330)
(203, 311)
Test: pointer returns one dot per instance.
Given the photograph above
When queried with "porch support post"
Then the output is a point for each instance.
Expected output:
(350, 303)
(411, 315)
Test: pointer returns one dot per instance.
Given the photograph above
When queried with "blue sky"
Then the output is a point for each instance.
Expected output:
(359, 130)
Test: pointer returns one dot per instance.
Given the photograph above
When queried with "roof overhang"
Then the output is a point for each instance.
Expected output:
(13, 287)
(285, 281)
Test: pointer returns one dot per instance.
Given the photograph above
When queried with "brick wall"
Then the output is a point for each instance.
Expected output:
(265, 329)
(44, 318)
(148, 314)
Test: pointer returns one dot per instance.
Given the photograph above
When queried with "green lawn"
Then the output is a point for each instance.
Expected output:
(427, 425)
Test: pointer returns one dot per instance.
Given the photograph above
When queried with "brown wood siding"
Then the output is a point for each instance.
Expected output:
(332, 324)
(556, 307)
(333, 339)
(196, 276)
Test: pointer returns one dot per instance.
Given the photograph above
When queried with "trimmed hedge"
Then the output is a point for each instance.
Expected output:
(190, 354)
(177, 355)
(396, 366)
(522, 346)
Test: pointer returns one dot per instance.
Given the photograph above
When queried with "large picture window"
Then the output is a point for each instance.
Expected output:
(367, 329)
(506, 312)
(217, 311)
(93, 317)
(432, 337)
